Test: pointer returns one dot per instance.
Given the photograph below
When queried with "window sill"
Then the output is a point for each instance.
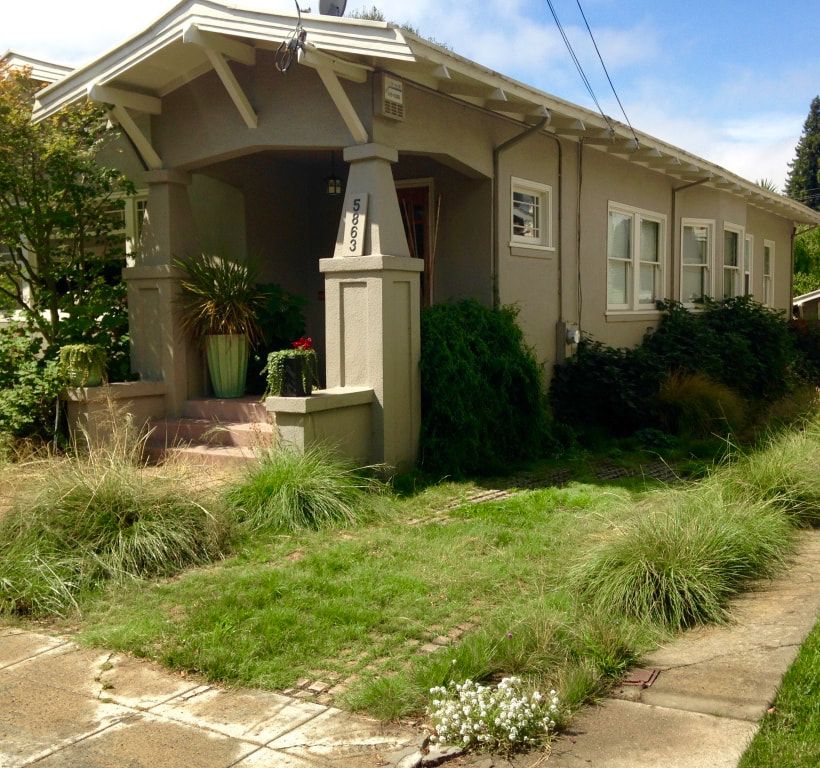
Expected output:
(632, 315)
(532, 251)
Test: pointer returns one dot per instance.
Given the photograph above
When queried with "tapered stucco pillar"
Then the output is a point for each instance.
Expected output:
(160, 351)
(372, 306)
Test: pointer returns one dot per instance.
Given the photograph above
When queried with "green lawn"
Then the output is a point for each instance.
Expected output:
(360, 601)
(790, 735)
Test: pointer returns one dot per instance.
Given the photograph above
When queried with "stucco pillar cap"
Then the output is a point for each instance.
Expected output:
(371, 152)
(168, 176)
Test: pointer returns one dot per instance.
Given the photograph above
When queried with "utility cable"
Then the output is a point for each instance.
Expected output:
(290, 46)
(578, 66)
(606, 71)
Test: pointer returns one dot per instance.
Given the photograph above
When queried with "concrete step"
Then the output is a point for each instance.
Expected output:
(205, 455)
(173, 432)
(241, 409)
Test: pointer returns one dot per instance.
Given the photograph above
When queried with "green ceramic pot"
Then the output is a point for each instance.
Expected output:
(227, 364)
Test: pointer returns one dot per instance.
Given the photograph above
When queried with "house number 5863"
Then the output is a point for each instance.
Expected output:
(356, 220)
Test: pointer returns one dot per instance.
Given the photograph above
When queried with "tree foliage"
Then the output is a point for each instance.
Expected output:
(806, 261)
(59, 211)
(803, 183)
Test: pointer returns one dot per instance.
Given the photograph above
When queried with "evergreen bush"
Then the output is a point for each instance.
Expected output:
(482, 395)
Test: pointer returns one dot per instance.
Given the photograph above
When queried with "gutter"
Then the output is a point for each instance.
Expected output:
(497, 152)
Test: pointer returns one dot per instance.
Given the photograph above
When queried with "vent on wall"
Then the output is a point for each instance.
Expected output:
(390, 97)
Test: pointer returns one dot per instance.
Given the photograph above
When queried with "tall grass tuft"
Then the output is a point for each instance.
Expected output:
(679, 563)
(97, 516)
(288, 490)
(696, 405)
(786, 473)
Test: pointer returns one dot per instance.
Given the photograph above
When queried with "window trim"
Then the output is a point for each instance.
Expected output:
(768, 300)
(750, 240)
(710, 258)
(545, 241)
(638, 215)
(740, 231)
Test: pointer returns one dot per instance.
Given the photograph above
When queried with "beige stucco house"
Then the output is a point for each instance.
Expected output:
(467, 184)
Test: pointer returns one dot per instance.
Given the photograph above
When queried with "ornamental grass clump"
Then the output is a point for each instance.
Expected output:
(786, 473)
(97, 517)
(288, 490)
(679, 562)
(503, 719)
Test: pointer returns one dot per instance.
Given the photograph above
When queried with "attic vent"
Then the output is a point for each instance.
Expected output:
(390, 98)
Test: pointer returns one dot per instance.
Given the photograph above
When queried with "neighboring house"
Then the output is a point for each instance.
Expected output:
(468, 184)
(807, 306)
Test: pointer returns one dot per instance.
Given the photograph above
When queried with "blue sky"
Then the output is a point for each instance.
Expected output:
(730, 81)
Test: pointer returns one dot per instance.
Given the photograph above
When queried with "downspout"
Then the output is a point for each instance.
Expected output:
(497, 152)
(672, 238)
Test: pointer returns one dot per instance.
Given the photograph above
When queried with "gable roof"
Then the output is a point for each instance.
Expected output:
(44, 71)
(157, 61)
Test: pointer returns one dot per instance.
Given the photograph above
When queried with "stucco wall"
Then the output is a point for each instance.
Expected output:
(199, 123)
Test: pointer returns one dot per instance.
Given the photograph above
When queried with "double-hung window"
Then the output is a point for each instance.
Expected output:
(733, 238)
(531, 216)
(748, 265)
(768, 273)
(636, 256)
(698, 256)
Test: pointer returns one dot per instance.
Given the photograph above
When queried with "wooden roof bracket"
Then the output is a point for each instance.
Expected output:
(218, 48)
(119, 101)
(329, 77)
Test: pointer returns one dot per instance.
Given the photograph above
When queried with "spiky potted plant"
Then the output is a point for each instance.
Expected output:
(218, 304)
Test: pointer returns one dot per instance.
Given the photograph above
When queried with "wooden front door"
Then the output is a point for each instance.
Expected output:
(415, 199)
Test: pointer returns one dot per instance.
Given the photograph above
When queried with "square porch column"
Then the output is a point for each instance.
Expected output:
(372, 307)
(160, 351)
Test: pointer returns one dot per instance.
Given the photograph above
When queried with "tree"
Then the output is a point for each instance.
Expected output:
(803, 182)
(58, 218)
(806, 260)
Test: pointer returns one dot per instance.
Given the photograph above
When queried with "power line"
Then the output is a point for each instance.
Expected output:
(606, 71)
(578, 66)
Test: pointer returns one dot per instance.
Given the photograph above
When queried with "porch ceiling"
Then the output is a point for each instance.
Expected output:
(198, 35)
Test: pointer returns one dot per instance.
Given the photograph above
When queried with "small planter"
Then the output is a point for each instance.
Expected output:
(83, 364)
(227, 364)
(292, 372)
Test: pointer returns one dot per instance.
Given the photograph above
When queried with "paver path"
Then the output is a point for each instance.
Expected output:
(715, 684)
(63, 706)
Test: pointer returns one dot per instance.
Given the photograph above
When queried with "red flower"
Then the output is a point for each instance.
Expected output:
(304, 343)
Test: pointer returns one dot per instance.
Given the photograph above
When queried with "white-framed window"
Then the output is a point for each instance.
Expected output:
(733, 245)
(636, 256)
(748, 265)
(768, 273)
(697, 259)
(531, 214)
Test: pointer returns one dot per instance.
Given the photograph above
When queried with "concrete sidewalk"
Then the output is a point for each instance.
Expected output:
(64, 706)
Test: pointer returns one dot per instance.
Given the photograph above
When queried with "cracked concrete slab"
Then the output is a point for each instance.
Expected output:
(140, 684)
(351, 742)
(16, 647)
(145, 741)
(36, 719)
(255, 716)
(621, 734)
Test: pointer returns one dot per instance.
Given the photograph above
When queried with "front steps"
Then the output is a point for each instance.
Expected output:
(213, 432)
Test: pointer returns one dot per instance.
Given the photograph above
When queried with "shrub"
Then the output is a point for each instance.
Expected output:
(288, 490)
(30, 384)
(482, 397)
(738, 342)
(89, 519)
(679, 564)
(806, 338)
(604, 387)
(697, 406)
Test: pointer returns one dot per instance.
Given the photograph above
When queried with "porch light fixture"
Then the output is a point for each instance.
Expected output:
(334, 183)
